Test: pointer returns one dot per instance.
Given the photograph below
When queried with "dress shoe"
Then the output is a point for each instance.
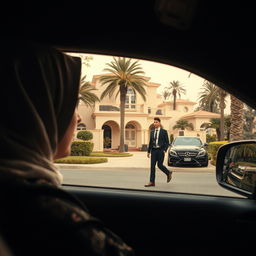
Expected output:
(150, 184)
(169, 177)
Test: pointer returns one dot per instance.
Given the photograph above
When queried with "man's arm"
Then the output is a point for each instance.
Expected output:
(150, 145)
(166, 140)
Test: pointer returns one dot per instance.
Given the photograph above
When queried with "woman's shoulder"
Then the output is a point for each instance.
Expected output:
(53, 212)
(89, 229)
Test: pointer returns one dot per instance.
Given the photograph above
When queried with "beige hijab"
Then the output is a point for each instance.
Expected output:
(39, 91)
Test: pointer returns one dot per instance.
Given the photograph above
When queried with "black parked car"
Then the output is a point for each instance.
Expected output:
(186, 150)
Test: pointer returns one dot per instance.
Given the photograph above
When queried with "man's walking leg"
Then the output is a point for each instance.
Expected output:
(162, 167)
(153, 166)
(152, 169)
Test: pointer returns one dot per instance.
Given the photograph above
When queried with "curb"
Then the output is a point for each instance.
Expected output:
(82, 167)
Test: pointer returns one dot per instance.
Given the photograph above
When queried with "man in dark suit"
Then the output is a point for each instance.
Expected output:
(158, 145)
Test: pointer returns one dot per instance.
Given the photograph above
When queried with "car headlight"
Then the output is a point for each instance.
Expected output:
(172, 152)
(202, 153)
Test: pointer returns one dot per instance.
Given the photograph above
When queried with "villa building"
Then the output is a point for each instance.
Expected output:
(103, 120)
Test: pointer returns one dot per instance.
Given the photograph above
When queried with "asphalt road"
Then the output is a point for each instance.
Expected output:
(184, 180)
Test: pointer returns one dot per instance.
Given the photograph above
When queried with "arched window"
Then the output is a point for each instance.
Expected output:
(159, 112)
(129, 126)
(130, 135)
(81, 126)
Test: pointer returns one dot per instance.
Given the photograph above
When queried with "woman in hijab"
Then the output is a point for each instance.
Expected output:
(39, 94)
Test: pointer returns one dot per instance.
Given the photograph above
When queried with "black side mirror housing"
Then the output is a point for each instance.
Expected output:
(236, 167)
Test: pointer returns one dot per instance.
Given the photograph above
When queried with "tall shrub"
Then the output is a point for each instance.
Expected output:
(81, 148)
(213, 148)
(84, 135)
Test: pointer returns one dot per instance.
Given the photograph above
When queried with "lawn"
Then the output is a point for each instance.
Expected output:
(94, 158)
(110, 154)
(81, 160)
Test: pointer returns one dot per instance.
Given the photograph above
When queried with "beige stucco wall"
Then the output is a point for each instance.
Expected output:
(97, 139)
(86, 115)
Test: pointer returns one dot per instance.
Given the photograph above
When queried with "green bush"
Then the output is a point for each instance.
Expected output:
(213, 148)
(81, 160)
(84, 135)
(81, 148)
(211, 138)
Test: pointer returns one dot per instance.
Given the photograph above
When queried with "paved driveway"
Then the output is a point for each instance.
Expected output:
(138, 160)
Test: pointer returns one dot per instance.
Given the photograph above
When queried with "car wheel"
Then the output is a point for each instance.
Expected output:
(205, 164)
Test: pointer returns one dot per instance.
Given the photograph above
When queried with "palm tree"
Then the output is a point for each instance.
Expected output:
(215, 124)
(166, 94)
(85, 93)
(249, 123)
(183, 124)
(175, 89)
(124, 74)
(237, 119)
(214, 96)
(209, 98)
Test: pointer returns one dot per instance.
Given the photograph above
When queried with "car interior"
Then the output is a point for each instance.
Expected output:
(213, 39)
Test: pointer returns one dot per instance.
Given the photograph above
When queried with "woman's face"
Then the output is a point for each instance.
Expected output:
(63, 148)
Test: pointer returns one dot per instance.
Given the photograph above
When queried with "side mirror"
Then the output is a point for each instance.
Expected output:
(236, 167)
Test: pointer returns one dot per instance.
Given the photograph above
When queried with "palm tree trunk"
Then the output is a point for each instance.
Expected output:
(222, 107)
(174, 100)
(218, 134)
(122, 115)
(237, 119)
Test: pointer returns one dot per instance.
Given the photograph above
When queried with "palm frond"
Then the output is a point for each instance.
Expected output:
(86, 93)
(108, 79)
(124, 73)
(175, 87)
(110, 89)
(138, 87)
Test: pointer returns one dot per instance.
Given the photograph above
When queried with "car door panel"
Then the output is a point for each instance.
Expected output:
(156, 222)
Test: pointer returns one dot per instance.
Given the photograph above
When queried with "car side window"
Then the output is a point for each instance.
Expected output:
(111, 144)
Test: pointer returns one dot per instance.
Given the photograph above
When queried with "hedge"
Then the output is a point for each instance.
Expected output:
(84, 135)
(81, 160)
(81, 148)
(213, 148)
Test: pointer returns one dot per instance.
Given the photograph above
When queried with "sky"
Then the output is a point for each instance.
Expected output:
(159, 73)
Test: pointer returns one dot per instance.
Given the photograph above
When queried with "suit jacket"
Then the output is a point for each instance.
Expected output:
(163, 140)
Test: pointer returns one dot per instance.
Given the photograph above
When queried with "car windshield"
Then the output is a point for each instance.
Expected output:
(188, 141)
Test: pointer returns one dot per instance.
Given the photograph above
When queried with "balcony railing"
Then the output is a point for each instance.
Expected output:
(116, 108)
(137, 108)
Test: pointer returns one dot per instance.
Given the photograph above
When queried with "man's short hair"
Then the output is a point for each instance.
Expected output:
(158, 119)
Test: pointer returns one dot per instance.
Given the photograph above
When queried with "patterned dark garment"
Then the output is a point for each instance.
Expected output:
(40, 219)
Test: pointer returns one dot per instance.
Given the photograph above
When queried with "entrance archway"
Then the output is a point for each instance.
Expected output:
(111, 134)
(107, 135)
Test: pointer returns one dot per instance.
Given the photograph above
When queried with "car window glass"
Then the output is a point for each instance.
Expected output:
(190, 141)
(153, 90)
